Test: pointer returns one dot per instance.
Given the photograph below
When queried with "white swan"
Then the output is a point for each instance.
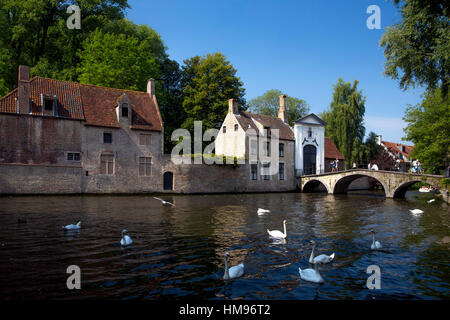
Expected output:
(126, 240)
(416, 211)
(323, 258)
(73, 226)
(164, 203)
(233, 272)
(432, 200)
(375, 244)
(311, 275)
(278, 234)
(262, 211)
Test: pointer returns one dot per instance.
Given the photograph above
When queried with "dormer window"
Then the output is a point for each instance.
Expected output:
(48, 104)
(125, 110)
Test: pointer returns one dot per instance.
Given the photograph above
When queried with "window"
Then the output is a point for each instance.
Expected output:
(145, 166)
(253, 146)
(145, 139)
(309, 133)
(267, 148)
(236, 127)
(281, 149)
(106, 164)
(48, 104)
(267, 129)
(124, 111)
(107, 137)
(254, 171)
(281, 171)
(73, 156)
(224, 130)
(266, 171)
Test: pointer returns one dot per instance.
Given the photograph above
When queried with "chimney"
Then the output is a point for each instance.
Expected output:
(151, 87)
(24, 89)
(282, 111)
(233, 106)
(378, 140)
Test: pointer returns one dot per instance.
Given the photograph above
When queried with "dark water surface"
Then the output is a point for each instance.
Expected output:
(178, 251)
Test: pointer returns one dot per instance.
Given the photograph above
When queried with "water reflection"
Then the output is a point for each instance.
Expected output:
(178, 252)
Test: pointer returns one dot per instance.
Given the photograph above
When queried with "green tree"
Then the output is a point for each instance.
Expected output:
(345, 120)
(208, 82)
(417, 49)
(428, 127)
(117, 61)
(34, 33)
(268, 104)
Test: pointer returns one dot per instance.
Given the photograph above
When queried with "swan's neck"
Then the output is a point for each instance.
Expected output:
(311, 258)
(227, 274)
(373, 238)
(316, 267)
(285, 234)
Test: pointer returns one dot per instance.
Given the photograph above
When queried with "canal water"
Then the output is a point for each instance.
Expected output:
(177, 252)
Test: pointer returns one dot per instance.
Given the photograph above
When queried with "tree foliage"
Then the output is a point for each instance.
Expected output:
(428, 127)
(34, 33)
(208, 82)
(417, 49)
(117, 61)
(268, 104)
(345, 119)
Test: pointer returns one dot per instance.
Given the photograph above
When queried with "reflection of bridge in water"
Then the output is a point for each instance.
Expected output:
(394, 183)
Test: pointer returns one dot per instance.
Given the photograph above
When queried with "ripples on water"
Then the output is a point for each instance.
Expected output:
(177, 252)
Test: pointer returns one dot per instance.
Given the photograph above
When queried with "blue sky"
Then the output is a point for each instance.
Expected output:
(298, 47)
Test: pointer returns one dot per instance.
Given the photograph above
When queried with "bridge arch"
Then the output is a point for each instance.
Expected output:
(400, 190)
(315, 185)
(342, 184)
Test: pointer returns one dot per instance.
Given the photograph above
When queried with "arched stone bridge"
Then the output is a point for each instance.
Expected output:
(394, 183)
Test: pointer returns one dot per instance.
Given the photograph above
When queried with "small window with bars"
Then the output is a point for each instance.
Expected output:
(281, 150)
(73, 156)
(145, 166)
(254, 171)
(265, 171)
(107, 137)
(281, 171)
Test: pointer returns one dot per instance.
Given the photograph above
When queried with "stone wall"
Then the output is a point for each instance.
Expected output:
(38, 140)
(202, 178)
(39, 179)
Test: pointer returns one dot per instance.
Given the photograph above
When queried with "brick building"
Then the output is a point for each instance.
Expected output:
(86, 138)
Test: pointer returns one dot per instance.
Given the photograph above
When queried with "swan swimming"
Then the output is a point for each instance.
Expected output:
(311, 275)
(277, 233)
(432, 200)
(375, 244)
(262, 211)
(126, 240)
(323, 258)
(233, 272)
(73, 226)
(416, 211)
(164, 203)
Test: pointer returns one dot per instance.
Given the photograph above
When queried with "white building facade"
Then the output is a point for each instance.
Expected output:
(309, 134)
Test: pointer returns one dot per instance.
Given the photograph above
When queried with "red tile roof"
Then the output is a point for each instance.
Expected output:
(396, 149)
(331, 151)
(246, 122)
(94, 104)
